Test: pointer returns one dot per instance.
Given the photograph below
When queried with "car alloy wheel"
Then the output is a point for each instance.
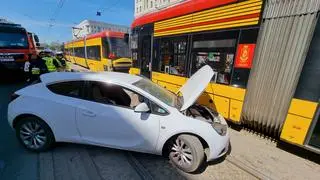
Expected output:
(186, 152)
(33, 135)
(181, 153)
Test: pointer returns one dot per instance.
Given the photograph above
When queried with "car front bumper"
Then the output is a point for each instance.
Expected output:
(219, 147)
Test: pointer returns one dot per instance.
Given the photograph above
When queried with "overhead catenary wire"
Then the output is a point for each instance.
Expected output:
(56, 12)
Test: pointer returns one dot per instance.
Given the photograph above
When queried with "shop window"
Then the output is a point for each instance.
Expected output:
(93, 52)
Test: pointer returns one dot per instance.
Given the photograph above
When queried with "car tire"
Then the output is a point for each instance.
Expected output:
(186, 152)
(34, 134)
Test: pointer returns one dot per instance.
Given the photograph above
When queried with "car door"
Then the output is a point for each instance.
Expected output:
(108, 119)
(62, 107)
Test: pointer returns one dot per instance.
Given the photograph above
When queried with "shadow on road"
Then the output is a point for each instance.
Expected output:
(107, 163)
(298, 151)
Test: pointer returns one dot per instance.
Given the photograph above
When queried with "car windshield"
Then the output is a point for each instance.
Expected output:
(159, 92)
(13, 40)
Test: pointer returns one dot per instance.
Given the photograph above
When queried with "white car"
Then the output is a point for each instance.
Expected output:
(120, 111)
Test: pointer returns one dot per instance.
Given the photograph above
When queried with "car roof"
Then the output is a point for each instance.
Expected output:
(55, 77)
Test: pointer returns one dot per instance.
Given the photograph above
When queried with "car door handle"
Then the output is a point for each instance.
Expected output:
(88, 113)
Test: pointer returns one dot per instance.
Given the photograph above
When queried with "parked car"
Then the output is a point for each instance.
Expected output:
(120, 111)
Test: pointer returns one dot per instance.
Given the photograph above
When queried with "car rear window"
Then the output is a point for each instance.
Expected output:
(70, 88)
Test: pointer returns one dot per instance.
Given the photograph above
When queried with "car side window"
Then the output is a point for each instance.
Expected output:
(113, 94)
(69, 88)
(157, 109)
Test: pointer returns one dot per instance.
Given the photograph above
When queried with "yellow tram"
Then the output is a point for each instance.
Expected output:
(104, 51)
(169, 45)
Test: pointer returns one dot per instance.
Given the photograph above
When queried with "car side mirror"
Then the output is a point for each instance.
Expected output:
(142, 108)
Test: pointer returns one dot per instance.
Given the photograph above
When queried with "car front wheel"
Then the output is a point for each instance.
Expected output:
(34, 134)
(186, 152)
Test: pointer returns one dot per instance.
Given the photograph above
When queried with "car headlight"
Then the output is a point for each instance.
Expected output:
(218, 126)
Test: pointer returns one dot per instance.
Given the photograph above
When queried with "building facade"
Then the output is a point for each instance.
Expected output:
(87, 27)
(146, 6)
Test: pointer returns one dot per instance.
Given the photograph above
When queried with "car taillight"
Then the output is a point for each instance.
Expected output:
(13, 97)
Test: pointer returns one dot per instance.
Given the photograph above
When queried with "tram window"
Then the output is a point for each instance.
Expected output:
(218, 54)
(172, 57)
(309, 85)
(214, 43)
(105, 48)
(93, 52)
(240, 77)
(115, 48)
(79, 52)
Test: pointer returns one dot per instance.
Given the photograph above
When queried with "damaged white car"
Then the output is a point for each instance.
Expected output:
(120, 111)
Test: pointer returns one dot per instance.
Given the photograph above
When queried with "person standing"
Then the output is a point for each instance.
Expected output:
(52, 63)
(26, 68)
(62, 60)
(37, 67)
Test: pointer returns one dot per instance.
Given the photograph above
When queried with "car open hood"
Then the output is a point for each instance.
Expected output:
(195, 85)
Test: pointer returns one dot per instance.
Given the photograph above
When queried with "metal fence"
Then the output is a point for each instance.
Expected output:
(284, 39)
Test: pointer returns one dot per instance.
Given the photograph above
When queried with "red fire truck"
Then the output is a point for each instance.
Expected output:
(15, 46)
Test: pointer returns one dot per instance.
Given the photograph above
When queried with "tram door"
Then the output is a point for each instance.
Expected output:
(146, 56)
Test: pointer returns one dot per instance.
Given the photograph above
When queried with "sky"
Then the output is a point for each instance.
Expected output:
(52, 20)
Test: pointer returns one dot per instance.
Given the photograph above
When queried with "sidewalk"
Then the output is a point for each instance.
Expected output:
(265, 159)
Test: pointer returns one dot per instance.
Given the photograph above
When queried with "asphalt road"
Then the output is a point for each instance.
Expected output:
(15, 161)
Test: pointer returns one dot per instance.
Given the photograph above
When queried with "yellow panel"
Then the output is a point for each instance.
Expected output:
(77, 44)
(221, 104)
(95, 65)
(303, 108)
(295, 129)
(93, 42)
(231, 24)
(122, 62)
(211, 17)
(134, 71)
(235, 110)
(169, 78)
(206, 100)
(80, 61)
(228, 91)
(219, 10)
